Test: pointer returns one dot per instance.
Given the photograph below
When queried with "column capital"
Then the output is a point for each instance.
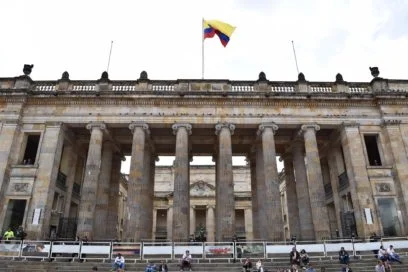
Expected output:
(263, 126)
(210, 207)
(350, 124)
(219, 126)
(144, 126)
(286, 156)
(305, 127)
(99, 125)
(391, 122)
(188, 127)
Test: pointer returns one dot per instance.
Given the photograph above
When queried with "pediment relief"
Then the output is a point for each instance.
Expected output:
(202, 188)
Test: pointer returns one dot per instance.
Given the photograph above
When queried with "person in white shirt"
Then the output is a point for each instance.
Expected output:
(119, 263)
(379, 267)
(186, 261)
(392, 256)
(382, 254)
(259, 266)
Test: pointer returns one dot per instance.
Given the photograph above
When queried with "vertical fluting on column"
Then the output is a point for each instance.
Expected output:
(192, 220)
(291, 195)
(112, 229)
(181, 195)
(249, 226)
(334, 174)
(302, 190)
(91, 179)
(209, 224)
(261, 220)
(396, 142)
(316, 187)
(254, 195)
(138, 196)
(272, 208)
(72, 165)
(102, 198)
(225, 202)
(154, 225)
(170, 221)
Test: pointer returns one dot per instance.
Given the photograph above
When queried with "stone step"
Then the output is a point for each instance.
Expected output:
(37, 266)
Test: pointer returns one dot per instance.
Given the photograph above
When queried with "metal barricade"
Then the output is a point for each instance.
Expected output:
(400, 244)
(157, 250)
(10, 249)
(218, 250)
(196, 250)
(35, 249)
(254, 250)
(65, 249)
(130, 251)
(363, 248)
(95, 250)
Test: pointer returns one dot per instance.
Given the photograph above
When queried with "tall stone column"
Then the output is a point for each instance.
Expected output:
(254, 197)
(248, 224)
(72, 165)
(401, 170)
(209, 224)
(302, 190)
(334, 180)
(261, 220)
(225, 202)
(113, 207)
(316, 187)
(154, 225)
(181, 196)
(361, 192)
(192, 220)
(102, 198)
(8, 133)
(87, 206)
(272, 208)
(170, 222)
(138, 222)
(291, 195)
(45, 183)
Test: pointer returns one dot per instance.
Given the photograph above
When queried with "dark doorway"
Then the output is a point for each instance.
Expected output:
(372, 150)
(14, 214)
(31, 149)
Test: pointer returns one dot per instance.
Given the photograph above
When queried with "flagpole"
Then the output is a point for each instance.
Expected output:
(110, 53)
(202, 49)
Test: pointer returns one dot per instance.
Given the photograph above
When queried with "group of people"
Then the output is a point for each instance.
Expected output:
(247, 266)
(185, 263)
(388, 254)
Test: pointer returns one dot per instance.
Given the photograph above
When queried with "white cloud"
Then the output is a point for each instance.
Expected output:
(164, 38)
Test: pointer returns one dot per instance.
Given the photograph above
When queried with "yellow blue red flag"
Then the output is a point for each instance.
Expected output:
(221, 29)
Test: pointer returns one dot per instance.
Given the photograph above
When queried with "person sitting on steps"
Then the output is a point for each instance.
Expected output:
(186, 261)
(247, 265)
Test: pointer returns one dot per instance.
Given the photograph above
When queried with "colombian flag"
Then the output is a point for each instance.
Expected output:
(223, 30)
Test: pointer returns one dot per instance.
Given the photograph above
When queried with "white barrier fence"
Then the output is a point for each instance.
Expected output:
(105, 251)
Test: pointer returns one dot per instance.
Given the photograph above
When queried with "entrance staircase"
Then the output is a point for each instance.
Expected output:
(358, 265)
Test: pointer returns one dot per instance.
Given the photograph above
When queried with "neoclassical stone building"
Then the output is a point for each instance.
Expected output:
(343, 144)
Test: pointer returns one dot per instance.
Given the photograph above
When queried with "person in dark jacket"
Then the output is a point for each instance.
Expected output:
(294, 257)
(162, 267)
(247, 265)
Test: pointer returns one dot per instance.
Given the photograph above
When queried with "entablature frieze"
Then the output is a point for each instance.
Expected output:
(210, 101)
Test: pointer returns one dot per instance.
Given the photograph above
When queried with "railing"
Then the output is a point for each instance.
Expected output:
(343, 181)
(200, 251)
(62, 181)
(206, 85)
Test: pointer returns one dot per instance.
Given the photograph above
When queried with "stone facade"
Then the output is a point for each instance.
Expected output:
(344, 146)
